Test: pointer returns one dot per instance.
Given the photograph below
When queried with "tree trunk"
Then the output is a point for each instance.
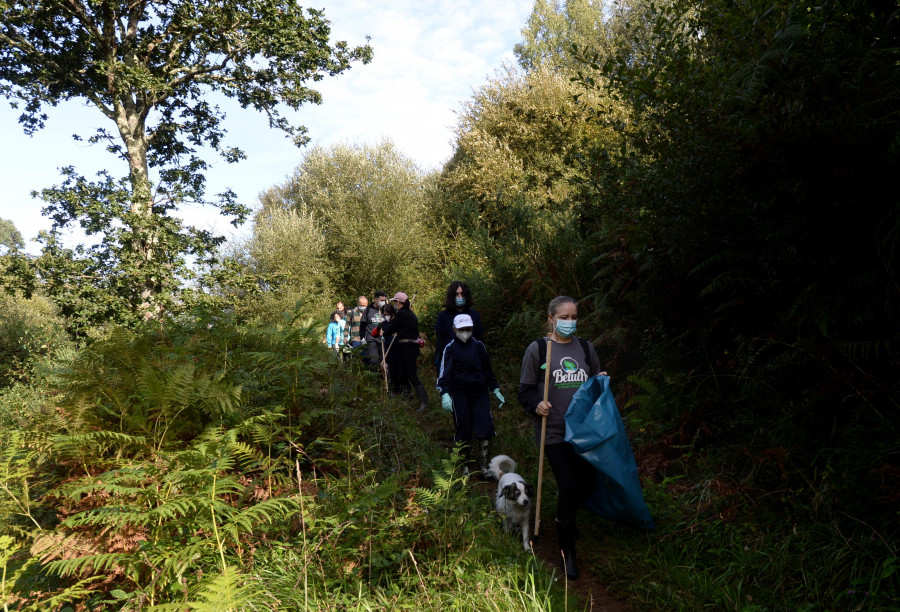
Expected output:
(144, 239)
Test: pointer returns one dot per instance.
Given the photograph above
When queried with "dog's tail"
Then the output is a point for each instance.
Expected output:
(501, 464)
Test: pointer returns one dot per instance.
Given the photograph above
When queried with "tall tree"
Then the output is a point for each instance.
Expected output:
(519, 135)
(554, 26)
(514, 190)
(368, 202)
(10, 236)
(149, 68)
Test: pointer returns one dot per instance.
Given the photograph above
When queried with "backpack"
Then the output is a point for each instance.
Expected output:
(542, 353)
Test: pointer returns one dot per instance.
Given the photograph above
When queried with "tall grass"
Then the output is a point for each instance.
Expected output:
(262, 474)
(240, 469)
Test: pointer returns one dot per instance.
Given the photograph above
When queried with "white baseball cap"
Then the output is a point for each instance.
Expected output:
(462, 320)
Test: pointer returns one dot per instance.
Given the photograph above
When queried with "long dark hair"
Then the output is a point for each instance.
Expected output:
(450, 298)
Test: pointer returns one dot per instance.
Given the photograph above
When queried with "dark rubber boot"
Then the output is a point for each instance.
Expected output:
(423, 398)
(484, 455)
(567, 532)
(466, 457)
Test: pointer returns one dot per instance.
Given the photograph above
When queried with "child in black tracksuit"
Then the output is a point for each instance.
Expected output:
(465, 379)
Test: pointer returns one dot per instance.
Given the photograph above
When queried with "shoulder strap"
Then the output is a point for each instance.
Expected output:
(542, 353)
(587, 354)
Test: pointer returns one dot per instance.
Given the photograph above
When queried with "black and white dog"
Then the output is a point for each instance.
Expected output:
(513, 497)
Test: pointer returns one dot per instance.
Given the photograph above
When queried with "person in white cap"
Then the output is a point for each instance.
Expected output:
(405, 325)
(465, 378)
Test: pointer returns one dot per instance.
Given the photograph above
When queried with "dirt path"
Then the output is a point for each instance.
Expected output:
(588, 589)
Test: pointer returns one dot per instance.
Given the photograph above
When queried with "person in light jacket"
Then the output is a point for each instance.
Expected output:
(334, 335)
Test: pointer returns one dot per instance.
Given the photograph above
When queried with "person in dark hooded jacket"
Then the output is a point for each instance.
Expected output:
(465, 379)
(457, 301)
(405, 326)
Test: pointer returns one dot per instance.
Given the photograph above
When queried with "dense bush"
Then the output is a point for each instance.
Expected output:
(30, 331)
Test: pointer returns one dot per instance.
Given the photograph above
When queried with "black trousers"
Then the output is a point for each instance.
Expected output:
(408, 353)
(472, 414)
(574, 478)
(373, 355)
(396, 371)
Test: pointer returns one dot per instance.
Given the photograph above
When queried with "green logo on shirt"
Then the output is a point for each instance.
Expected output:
(569, 374)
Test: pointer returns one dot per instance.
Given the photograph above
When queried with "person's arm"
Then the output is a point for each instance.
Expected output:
(446, 366)
(528, 394)
(440, 340)
(597, 370)
(477, 329)
(529, 398)
(363, 323)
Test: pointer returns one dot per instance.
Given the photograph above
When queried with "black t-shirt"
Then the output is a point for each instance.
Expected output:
(371, 317)
(568, 370)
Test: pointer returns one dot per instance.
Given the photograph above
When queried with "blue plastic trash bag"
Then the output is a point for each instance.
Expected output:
(595, 429)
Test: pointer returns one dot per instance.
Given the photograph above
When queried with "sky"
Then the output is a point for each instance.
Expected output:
(429, 56)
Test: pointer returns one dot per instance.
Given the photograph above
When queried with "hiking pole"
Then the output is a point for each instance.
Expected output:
(537, 511)
(384, 362)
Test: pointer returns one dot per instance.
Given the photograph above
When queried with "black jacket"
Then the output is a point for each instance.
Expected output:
(466, 368)
(405, 325)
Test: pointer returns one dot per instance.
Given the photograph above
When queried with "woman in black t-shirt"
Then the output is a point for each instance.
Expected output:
(573, 361)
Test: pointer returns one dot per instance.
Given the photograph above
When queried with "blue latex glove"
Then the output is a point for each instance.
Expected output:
(499, 396)
(446, 402)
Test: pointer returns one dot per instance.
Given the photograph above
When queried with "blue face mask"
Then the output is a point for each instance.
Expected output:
(565, 328)
(460, 301)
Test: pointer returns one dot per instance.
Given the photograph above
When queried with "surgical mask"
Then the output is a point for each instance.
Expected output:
(565, 328)
(387, 317)
(464, 335)
(381, 303)
(460, 301)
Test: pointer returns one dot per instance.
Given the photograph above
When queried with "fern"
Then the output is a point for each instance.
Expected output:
(96, 564)
(69, 595)
(175, 507)
(21, 457)
(264, 512)
(227, 591)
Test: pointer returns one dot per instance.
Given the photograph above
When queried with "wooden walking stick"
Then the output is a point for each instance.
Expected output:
(384, 362)
(537, 511)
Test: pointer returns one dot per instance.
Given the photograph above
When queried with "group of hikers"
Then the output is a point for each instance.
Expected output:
(389, 332)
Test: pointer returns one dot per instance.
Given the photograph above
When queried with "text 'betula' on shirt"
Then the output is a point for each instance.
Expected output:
(571, 363)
